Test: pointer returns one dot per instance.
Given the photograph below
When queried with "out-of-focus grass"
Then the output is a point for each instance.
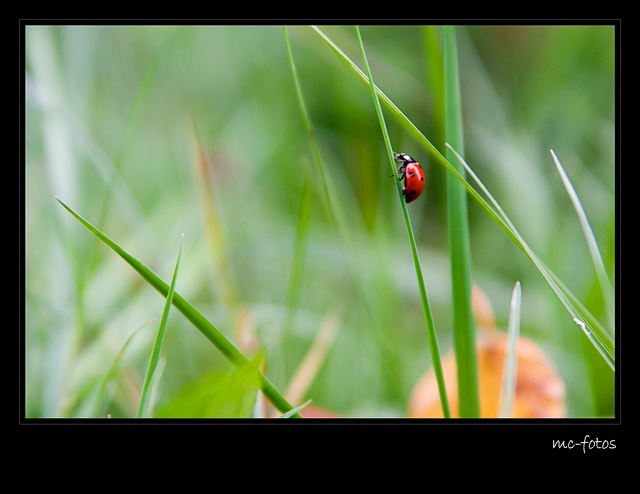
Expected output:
(110, 114)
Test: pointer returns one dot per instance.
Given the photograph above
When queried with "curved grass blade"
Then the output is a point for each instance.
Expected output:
(431, 330)
(143, 406)
(510, 368)
(198, 320)
(592, 244)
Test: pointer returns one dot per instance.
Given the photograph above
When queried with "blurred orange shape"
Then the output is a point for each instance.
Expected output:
(540, 391)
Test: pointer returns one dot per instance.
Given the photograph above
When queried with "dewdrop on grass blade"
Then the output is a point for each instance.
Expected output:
(582, 326)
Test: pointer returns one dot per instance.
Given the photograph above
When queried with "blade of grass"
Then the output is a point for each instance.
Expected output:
(603, 343)
(431, 330)
(459, 244)
(510, 368)
(592, 244)
(197, 319)
(143, 405)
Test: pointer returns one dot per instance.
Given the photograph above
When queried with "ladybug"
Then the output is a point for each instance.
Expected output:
(413, 175)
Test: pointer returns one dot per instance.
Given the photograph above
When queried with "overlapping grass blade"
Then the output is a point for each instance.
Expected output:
(510, 367)
(594, 330)
(431, 330)
(143, 406)
(601, 340)
(197, 319)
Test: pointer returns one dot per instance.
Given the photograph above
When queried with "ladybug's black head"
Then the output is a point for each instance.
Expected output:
(404, 157)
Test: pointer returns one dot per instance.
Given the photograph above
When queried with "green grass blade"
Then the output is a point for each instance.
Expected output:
(143, 406)
(510, 367)
(402, 119)
(459, 244)
(431, 330)
(592, 244)
(197, 319)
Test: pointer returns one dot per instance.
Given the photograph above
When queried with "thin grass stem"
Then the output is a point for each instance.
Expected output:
(143, 405)
(431, 330)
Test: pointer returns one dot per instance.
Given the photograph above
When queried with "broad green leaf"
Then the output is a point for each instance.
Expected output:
(228, 393)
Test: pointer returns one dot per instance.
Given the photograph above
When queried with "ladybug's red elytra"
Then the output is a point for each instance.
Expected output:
(413, 175)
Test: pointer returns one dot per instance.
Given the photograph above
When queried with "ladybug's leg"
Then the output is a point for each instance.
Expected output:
(402, 174)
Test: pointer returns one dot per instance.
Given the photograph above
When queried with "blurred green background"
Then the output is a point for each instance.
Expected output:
(114, 118)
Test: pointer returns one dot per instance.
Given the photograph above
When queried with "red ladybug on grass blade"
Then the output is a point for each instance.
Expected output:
(413, 176)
